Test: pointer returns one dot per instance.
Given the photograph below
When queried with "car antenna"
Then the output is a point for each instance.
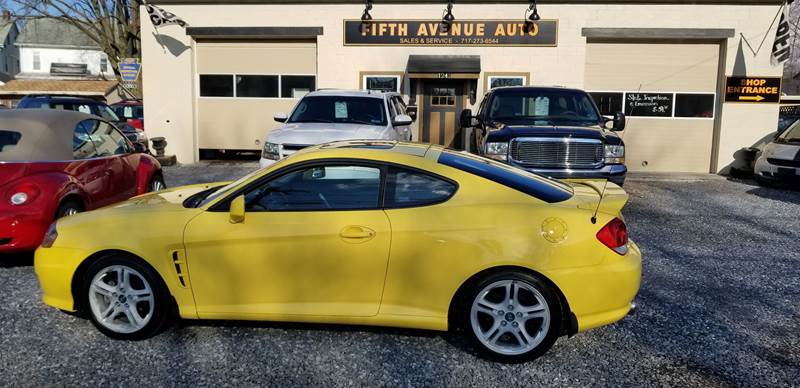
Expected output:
(603, 192)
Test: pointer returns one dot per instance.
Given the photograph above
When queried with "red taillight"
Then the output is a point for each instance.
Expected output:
(615, 236)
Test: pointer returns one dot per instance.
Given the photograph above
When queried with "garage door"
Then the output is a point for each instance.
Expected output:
(668, 92)
(241, 85)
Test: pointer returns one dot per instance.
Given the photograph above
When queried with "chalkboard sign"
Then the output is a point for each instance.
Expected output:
(648, 104)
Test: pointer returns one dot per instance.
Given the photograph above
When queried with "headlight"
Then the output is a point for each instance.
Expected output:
(50, 236)
(614, 154)
(271, 151)
(496, 150)
(19, 198)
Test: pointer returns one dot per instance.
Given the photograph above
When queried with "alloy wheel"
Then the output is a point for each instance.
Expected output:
(510, 317)
(120, 299)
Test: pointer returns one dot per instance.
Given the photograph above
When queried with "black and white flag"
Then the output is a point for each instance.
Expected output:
(161, 18)
(781, 48)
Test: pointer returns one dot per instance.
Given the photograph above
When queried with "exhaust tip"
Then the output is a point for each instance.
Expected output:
(632, 311)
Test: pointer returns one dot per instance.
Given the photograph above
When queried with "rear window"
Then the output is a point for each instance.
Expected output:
(9, 139)
(538, 186)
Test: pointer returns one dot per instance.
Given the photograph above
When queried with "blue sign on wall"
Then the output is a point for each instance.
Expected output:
(129, 70)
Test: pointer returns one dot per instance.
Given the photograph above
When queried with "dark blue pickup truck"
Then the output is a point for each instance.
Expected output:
(553, 131)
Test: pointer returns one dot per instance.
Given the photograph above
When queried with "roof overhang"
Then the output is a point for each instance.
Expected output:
(254, 32)
(433, 66)
(658, 33)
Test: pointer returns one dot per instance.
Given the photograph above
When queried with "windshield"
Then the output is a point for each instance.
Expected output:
(550, 105)
(791, 134)
(340, 109)
(107, 113)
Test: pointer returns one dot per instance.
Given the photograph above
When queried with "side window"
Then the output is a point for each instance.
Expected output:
(392, 109)
(319, 188)
(82, 145)
(399, 105)
(412, 188)
(107, 139)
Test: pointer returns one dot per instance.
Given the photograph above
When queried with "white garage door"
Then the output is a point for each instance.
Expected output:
(241, 85)
(667, 90)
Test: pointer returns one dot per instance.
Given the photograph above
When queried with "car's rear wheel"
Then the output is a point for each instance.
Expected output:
(156, 184)
(125, 299)
(512, 316)
(68, 208)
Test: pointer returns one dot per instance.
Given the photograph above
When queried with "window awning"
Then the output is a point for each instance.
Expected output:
(444, 66)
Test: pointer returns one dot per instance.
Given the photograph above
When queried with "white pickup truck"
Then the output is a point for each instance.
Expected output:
(332, 115)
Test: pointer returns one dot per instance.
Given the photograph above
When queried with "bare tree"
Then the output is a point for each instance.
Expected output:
(112, 24)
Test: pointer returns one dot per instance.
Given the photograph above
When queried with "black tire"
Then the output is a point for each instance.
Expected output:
(68, 208)
(553, 305)
(156, 184)
(163, 307)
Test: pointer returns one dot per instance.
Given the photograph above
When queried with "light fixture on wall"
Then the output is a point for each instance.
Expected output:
(448, 17)
(532, 14)
(366, 17)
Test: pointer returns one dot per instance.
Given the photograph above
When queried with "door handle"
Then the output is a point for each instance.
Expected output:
(357, 233)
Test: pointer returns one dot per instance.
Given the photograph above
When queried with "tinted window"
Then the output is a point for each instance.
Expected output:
(496, 82)
(694, 105)
(791, 135)
(256, 86)
(129, 111)
(296, 86)
(384, 84)
(82, 145)
(340, 109)
(319, 188)
(546, 189)
(107, 140)
(542, 104)
(608, 103)
(213, 85)
(413, 188)
(9, 139)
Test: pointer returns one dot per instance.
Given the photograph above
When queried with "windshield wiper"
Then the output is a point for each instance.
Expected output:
(361, 122)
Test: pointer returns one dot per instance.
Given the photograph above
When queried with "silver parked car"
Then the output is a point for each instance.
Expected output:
(332, 115)
(779, 161)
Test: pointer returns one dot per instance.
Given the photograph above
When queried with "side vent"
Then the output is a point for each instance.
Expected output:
(180, 268)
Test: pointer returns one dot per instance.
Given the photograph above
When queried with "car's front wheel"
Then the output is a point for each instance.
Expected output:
(156, 184)
(512, 316)
(125, 299)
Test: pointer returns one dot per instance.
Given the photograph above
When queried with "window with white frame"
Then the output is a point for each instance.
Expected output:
(103, 64)
(496, 81)
(384, 83)
(37, 64)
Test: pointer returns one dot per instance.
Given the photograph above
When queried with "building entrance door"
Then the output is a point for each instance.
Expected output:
(443, 101)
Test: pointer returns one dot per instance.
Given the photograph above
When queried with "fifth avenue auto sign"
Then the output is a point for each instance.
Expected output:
(753, 89)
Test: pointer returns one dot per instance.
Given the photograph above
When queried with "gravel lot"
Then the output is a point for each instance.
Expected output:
(719, 306)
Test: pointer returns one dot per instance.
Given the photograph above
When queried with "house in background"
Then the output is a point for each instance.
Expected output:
(56, 58)
(50, 48)
(9, 53)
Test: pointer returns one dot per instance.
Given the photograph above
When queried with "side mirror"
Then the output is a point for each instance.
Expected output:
(402, 120)
(236, 215)
(467, 120)
(618, 122)
(139, 148)
(411, 111)
(280, 117)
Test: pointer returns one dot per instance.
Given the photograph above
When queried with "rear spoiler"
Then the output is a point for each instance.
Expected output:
(610, 196)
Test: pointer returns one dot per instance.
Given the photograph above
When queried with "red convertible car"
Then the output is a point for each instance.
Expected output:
(55, 163)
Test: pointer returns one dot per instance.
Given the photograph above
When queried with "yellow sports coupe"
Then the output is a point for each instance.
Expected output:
(360, 232)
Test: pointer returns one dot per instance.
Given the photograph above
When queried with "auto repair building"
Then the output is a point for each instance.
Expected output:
(216, 83)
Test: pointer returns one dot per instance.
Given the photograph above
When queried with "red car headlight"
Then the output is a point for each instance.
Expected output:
(23, 194)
